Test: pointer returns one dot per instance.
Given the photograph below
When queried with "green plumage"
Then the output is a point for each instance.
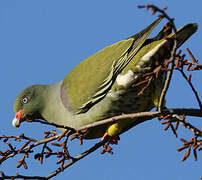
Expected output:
(101, 85)
(98, 72)
(99, 64)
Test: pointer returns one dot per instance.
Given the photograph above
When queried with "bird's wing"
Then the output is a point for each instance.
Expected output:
(91, 80)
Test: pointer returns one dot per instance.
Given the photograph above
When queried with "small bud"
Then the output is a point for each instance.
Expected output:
(110, 152)
(103, 151)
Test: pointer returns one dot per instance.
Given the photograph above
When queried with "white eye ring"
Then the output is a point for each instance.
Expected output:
(24, 100)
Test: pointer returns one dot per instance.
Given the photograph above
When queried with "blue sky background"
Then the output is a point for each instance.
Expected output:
(41, 41)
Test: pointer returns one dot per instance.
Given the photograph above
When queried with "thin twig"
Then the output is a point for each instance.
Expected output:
(173, 52)
(187, 125)
(21, 177)
(18, 138)
(192, 87)
(75, 159)
(30, 147)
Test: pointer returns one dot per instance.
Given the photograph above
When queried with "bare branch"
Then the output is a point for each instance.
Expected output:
(149, 115)
(18, 176)
(75, 159)
(192, 87)
(3, 158)
(173, 52)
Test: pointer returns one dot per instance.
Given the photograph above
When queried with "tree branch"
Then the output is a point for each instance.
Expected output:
(75, 159)
(145, 116)
(192, 87)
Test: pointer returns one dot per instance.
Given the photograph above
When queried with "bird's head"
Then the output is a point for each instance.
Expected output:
(28, 104)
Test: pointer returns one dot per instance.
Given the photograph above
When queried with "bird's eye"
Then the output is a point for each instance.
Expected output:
(24, 100)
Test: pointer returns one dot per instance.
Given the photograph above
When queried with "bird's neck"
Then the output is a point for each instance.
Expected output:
(54, 111)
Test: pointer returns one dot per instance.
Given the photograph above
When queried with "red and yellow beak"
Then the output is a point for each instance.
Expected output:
(17, 120)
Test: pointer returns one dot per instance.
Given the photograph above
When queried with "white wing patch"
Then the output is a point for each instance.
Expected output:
(152, 52)
(127, 79)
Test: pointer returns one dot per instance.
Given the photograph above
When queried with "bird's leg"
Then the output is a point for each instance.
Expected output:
(110, 139)
(105, 136)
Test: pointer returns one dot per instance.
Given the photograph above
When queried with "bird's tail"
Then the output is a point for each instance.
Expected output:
(184, 33)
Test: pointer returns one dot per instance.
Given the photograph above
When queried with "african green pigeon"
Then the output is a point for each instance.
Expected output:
(102, 85)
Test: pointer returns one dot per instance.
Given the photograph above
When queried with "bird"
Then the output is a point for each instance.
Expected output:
(105, 84)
